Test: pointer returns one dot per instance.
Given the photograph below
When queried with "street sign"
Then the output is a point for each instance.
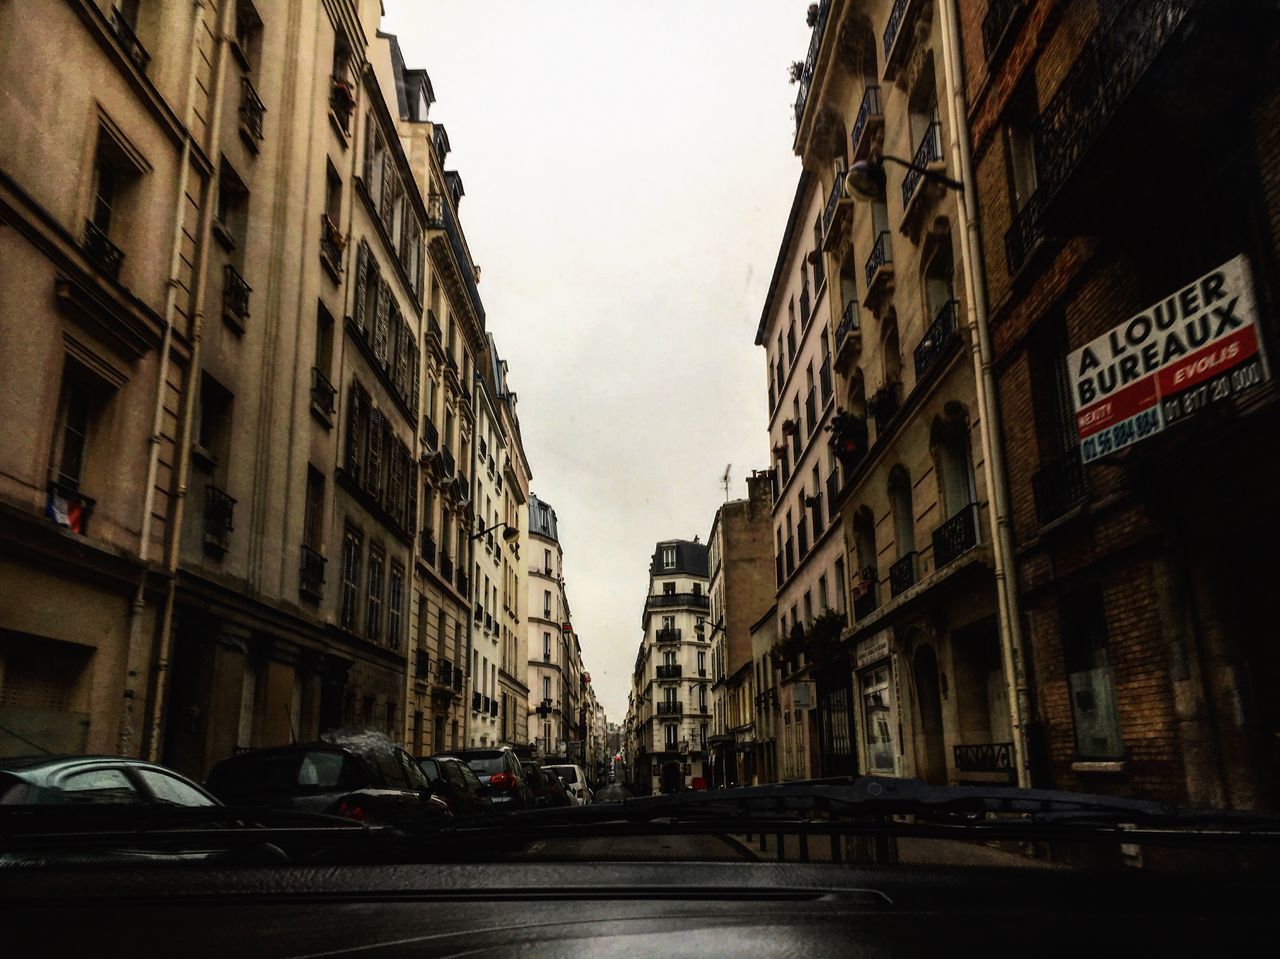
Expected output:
(1196, 347)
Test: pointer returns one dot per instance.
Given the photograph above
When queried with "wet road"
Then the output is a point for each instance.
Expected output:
(640, 848)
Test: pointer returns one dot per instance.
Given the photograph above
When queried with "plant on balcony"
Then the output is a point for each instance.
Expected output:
(790, 427)
(824, 637)
(811, 16)
(343, 93)
(848, 437)
(795, 71)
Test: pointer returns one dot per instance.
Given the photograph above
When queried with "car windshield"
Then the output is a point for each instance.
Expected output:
(667, 430)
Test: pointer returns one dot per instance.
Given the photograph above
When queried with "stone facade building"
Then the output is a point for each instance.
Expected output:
(1124, 155)
(552, 646)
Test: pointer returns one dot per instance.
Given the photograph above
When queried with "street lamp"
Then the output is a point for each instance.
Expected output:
(866, 178)
(510, 534)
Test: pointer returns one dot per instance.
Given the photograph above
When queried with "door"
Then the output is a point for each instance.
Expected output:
(671, 779)
(931, 759)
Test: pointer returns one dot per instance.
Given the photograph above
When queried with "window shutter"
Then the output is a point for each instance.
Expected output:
(355, 411)
(415, 376)
(389, 185)
(373, 474)
(362, 267)
(411, 506)
(380, 327)
(370, 134)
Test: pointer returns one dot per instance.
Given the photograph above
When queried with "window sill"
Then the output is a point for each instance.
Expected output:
(1103, 767)
(223, 235)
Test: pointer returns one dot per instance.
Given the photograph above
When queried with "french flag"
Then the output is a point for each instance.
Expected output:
(65, 512)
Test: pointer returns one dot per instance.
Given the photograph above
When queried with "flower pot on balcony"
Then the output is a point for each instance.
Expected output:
(848, 438)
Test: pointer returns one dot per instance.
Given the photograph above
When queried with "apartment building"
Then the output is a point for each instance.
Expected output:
(107, 187)
(551, 643)
(1147, 612)
(671, 682)
(809, 554)
(741, 589)
(929, 689)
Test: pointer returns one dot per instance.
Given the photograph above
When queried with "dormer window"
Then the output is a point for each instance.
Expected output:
(668, 557)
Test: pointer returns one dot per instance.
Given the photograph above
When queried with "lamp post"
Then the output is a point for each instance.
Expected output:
(866, 178)
(509, 534)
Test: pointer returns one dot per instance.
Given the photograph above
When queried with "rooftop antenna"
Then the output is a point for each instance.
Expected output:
(724, 481)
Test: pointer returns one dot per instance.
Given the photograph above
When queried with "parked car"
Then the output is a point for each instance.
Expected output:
(537, 785)
(511, 785)
(67, 780)
(365, 777)
(575, 783)
(557, 795)
(453, 782)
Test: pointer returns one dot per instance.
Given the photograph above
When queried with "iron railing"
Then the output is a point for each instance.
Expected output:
(670, 671)
(956, 536)
(446, 566)
(928, 151)
(833, 204)
(902, 574)
(323, 393)
(427, 546)
(1024, 235)
(219, 514)
(811, 60)
(881, 256)
(983, 757)
(342, 100)
(848, 325)
(235, 296)
(1059, 486)
(252, 109)
(430, 435)
(421, 664)
(668, 635)
(446, 460)
(869, 110)
(670, 708)
(867, 603)
(104, 254)
(332, 242)
(884, 406)
(311, 572)
(696, 600)
(938, 340)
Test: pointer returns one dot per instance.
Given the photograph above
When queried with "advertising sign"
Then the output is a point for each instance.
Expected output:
(1199, 345)
(871, 650)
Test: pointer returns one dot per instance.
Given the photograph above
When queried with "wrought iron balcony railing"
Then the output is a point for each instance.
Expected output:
(668, 635)
(430, 435)
(427, 546)
(446, 460)
(464, 584)
(219, 513)
(421, 664)
(662, 600)
(870, 114)
(929, 151)
(446, 566)
(956, 536)
(342, 100)
(311, 572)
(670, 708)
(133, 47)
(332, 243)
(235, 297)
(104, 254)
(884, 405)
(848, 326)
(670, 671)
(983, 757)
(938, 340)
(811, 59)
(902, 574)
(1059, 486)
(252, 110)
(881, 256)
(323, 393)
(1024, 235)
(867, 603)
(824, 381)
(996, 22)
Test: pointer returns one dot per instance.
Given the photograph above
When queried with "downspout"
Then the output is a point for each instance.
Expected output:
(173, 535)
(153, 453)
(993, 468)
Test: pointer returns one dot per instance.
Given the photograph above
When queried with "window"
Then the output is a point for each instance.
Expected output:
(77, 405)
(171, 791)
(373, 613)
(232, 211)
(1090, 684)
(248, 34)
(546, 603)
(668, 589)
(702, 736)
(668, 557)
(840, 584)
(668, 622)
(1020, 147)
(350, 580)
(1050, 391)
(672, 736)
(100, 786)
(313, 511)
(395, 605)
(823, 603)
(546, 688)
(546, 647)
(215, 421)
(332, 194)
(702, 662)
(546, 561)
(903, 511)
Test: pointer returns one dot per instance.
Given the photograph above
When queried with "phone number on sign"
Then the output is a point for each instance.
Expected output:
(1121, 434)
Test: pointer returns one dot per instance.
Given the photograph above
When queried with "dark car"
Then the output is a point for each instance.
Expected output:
(364, 777)
(511, 784)
(557, 795)
(453, 782)
(111, 780)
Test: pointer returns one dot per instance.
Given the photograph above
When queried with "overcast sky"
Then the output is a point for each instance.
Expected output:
(629, 172)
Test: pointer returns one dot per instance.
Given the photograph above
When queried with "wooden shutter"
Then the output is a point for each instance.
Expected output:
(362, 267)
(373, 471)
(415, 375)
(389, 189)
(380, 327)
(356, 404)
(411, 504)
(370, 134)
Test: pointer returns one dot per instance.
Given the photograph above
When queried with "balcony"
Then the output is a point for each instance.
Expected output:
(252, 113)
(943, 334)
(833, 493)
(879, 268)
(102, 253)
(811, 411)
(464, 584)
(1059, 486)
(848, 336)
(332, 243)
(898, 31)
(996, 24)
(833, 214)
(902, 574)
(668, 635)
(421, 664)
(666, 600)
(802, 535)
(804, 303)
(824, 381)
(133, 48)
(493, 708)
(427, 546)
(311, 574)
(928, 156)
(235, 298)
(444, 675)
(870, 118)
(219, 511)
(670, 671)
(446, 566)
(342, 101)
(478, 615)
(475, 702)
(1024, 236)
(430, 435)
(457, 680)
(777, 569)
(791, 555)
(867, 602)
(323, 393)
(671, 708)
(956, 536)
(884, 405)
(805, 79)
(984, 758)
(447, 462)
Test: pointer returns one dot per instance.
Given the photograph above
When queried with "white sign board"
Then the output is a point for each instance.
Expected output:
(1197, 346)
(871, 650)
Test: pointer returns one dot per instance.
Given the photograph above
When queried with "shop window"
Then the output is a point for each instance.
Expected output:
(1090, 682)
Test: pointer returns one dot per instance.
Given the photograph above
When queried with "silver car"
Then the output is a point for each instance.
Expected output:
(575, 783)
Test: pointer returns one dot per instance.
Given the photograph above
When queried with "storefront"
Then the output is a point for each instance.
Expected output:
(881, 740)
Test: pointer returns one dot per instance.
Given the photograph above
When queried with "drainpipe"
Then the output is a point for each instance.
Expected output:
(994, 473)
(153, 734)
(170, 308)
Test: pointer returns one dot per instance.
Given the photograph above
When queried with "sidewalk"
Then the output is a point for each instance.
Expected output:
(869, 851)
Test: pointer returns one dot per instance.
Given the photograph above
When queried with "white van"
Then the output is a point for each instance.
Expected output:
(575, 783)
